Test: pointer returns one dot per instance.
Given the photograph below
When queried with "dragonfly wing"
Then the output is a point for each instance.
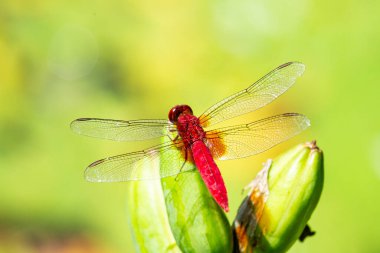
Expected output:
(256, 96)
(253, 138)
(141, 165)
(121, 130)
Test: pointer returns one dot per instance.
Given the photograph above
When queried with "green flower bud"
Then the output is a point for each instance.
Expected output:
(197, 221)
(177, 213)
(280, 202)
(147, 214)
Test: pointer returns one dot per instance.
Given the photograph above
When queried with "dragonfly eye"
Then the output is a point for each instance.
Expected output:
(177, 110)
(173, 114)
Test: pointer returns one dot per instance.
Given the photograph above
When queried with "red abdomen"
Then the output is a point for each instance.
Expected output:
(193, 136)
(210, 173)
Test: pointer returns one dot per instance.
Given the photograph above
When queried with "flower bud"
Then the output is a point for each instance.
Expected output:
(197, 221)
(147, 213)
(280, 202)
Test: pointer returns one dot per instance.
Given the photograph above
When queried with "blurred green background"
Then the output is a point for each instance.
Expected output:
(61, 60)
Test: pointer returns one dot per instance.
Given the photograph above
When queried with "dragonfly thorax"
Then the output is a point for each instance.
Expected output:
(189, 129)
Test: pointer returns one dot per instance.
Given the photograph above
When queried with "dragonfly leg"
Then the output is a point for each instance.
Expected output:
(173, 140)
(170, 135)
(183, 164)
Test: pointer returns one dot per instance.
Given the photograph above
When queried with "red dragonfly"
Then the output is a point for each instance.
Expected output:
(192, 142)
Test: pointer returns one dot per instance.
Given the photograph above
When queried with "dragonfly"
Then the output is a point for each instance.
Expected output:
(193, 141)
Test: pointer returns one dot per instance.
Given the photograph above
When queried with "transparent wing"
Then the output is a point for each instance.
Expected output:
(256, 96)
(249, 139)
(121, 130)
(139, 165)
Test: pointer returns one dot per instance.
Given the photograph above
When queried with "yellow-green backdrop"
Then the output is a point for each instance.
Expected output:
(60, 60)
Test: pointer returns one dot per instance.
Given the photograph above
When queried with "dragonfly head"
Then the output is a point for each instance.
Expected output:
(177, 110)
